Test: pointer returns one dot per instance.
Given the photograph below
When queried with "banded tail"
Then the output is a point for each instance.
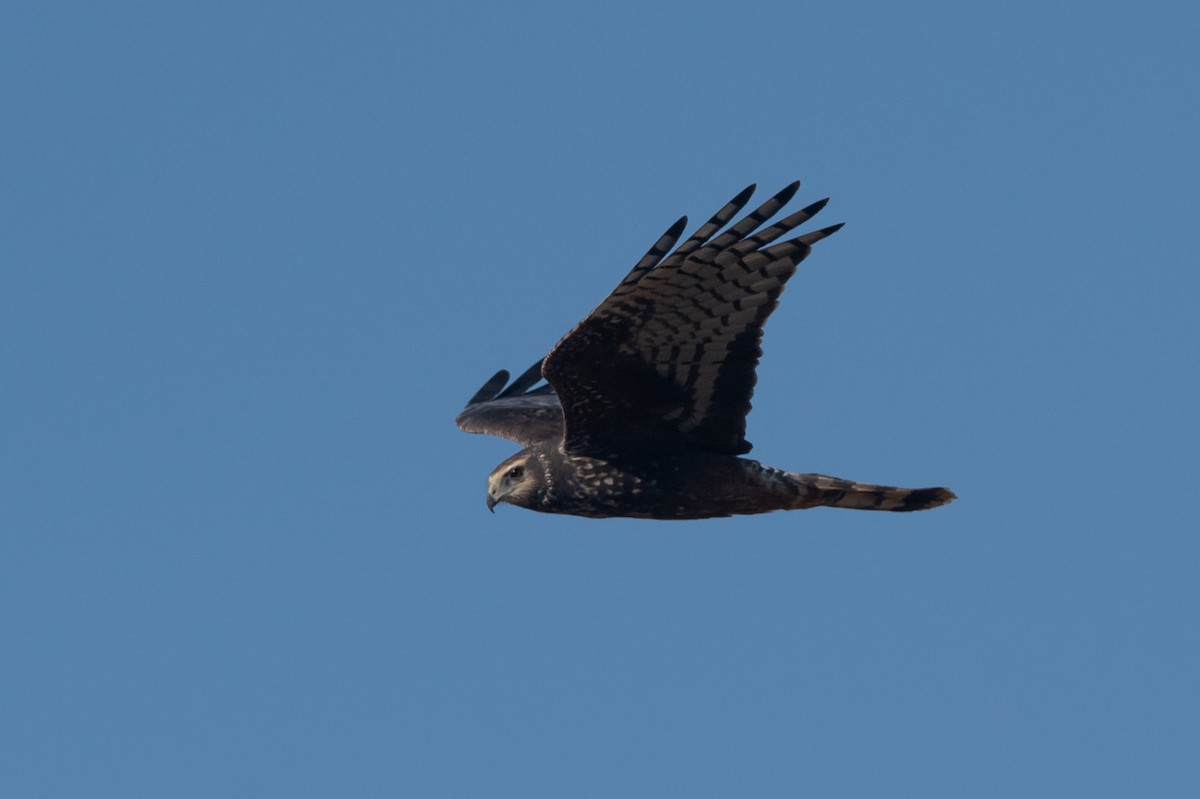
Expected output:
(821, 489)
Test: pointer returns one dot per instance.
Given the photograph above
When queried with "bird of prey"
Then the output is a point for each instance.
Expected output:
(643, 412)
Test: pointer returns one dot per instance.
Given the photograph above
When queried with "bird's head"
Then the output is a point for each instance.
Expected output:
(520, 481)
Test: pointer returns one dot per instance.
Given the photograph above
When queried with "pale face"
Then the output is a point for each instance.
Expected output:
(515, 481)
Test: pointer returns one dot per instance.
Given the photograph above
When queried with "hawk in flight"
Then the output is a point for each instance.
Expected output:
(643, 412)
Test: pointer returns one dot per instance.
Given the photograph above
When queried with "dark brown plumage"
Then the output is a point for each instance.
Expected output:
(644, 409)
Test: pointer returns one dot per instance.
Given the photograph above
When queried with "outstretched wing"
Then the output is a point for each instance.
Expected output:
(519, 413)
(668, 359)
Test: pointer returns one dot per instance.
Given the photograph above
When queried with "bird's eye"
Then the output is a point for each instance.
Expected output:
(516, 472)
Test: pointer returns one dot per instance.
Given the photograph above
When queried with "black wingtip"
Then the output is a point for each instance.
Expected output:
(526, 379)
(744, 196)
(676, 230)
(490, 388)
(814, 209)
(790, 190)
(812, 238)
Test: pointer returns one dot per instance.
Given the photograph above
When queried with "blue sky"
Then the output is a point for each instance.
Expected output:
(256, 258)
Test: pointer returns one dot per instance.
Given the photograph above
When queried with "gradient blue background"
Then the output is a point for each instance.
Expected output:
(256, 257)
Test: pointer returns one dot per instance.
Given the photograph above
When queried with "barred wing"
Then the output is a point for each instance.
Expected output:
(668, 359)
(518, 413)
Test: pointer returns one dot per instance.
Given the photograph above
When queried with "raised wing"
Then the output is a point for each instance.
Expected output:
(668, 359)
(519, 413)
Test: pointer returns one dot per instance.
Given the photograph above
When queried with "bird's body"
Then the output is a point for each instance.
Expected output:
(689, 484)
(680, 485)
(644, 411)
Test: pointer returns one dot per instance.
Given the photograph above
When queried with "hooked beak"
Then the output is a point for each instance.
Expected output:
(491, 502)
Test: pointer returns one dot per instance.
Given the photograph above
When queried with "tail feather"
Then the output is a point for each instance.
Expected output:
(834, 492)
